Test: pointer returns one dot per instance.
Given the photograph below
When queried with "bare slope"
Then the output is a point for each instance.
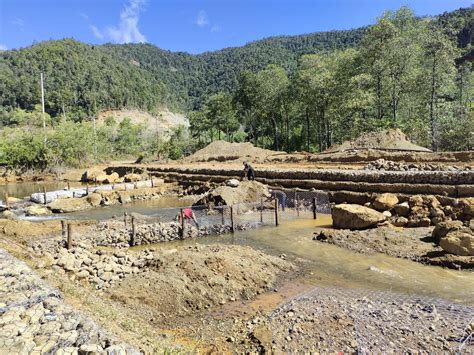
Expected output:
(390, 139)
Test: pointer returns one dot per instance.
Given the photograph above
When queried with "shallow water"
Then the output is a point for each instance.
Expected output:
(331, 266)
(25, 189)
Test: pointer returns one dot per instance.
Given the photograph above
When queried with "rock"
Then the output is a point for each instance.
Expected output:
(12, 200)
(402, 209)
(458, 243)
(467, 205)
(444, 228)
(132, 177)
(419, 222)
(263, 335)
(91, 174)
(385, 201)
(94, 199)
(416, 200)
(347, 216)
(8, 215)
(65, 205)
(400, 221)
(387, 214)
(233, 182)
(431, 201)
(90, 349)
(37, 210)
(112, 178)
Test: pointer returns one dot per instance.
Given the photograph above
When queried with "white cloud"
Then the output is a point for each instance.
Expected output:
(215, 28)
(18, 22)
(127, 30)
(98, 33)
(201, 19)
(3, 48)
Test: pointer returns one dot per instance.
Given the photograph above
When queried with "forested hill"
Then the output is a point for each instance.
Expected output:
(81, 79)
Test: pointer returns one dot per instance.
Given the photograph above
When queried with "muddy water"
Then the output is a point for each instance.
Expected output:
(331, 266)
(25, 189)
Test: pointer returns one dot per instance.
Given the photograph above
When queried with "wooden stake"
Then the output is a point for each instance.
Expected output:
(125, 219)
(222, 216)
(314, 208)
(87, 189)
(68, 186)
(181, 213)
(232, 227)
(261, 210)
(69, 236)
(44, 195)
(132, 238)
(276, 212)
(152, 183)
(297, 204)
(6, 200)
(63, 229)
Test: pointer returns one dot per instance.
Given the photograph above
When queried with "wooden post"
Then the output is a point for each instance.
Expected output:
(113, 185)
(95, 182)
(6, 200)
(87, 189)
(135, 185)
(314, 208)
(63, 229)
(181, 213)
(261, 210)
(152, 183)
(232, 226)
(125, 219)
(44, 195)
(222, 216)
(132, 237)
(276, 212)
(297, 204)
(68, 186)
(69, 236)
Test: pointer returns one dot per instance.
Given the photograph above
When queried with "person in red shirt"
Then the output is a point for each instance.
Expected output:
(188, 215)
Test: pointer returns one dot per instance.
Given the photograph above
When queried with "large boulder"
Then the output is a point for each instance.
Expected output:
(112, 178)
(132, 177)
(458, 243)
(8, 215)
(443, 228)
(37, 210)
(94, 199)
(467, 205)
(92, 174)
(245, 192)
(66, 205)
(346, 216)
(385, 201)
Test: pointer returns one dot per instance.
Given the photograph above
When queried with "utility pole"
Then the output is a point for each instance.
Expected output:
(42, 104)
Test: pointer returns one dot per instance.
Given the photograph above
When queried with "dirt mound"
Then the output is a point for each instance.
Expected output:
(182, 281)
(225, 151)
(390, 139)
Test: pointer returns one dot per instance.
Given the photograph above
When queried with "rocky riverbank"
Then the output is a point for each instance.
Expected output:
(35, 319)
(416, 244)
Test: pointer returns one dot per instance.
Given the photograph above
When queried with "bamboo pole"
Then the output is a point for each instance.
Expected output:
(314, 208)
(232, 226)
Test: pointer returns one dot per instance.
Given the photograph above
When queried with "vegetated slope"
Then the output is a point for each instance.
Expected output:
(88, 78)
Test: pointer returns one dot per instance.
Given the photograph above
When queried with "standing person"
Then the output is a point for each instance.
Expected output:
(280, 196)
(188, 215)
(249, 171)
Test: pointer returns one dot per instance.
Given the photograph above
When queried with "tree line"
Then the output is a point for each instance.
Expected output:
(405, 73)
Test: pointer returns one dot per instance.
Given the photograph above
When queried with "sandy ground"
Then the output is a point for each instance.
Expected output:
(410, 243)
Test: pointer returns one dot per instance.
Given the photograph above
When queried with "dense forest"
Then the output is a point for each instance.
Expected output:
(289, 92)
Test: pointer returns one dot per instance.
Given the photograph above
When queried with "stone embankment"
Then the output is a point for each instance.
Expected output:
(448, 183)
(389, 165)
(35, 319)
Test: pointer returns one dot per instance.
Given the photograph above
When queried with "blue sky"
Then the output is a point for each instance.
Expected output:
(194, 26)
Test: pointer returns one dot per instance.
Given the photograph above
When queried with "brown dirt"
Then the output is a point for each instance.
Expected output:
(189, 280)
(409, 243)
(393, 139)
(224, 151)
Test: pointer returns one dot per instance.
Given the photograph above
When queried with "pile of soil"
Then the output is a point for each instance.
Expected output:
(225, 151)
(390, 139)
(182, 281)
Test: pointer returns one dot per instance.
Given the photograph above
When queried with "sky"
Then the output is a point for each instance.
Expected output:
(194, 26)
